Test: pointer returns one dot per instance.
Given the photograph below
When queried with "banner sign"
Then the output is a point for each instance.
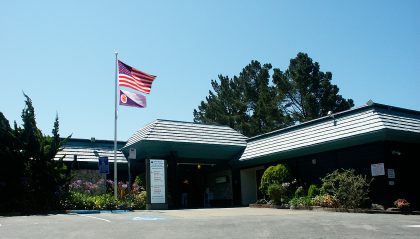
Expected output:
(157, 181)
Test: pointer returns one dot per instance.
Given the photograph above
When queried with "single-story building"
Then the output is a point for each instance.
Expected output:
(214, 165)
(81, 155)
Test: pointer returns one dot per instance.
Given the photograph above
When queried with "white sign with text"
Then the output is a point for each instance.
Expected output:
(377, 169)
(157, 181)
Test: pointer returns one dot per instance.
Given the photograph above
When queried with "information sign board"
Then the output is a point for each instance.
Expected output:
(377, 169)
(157, 181)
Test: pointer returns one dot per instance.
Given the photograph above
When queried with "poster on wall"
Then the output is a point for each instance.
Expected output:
(157, 181)
(377, 169)
(391, 173)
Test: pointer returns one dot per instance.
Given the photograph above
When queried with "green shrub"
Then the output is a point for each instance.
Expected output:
(276, 192)
(82, 201)
(139, 180)
(105, 201)
(300, 202)
(77, 200)
(139, 200)
(313, 191)
(300, 192)
(349, 189)
(274, 175)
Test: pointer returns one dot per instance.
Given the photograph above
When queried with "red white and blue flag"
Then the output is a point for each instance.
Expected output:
(133, 78)
(132, 99)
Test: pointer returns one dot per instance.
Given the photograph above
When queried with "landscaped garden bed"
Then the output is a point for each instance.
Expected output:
(341, 191)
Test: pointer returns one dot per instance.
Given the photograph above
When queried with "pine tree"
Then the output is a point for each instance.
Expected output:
(252, 106)
(246, 102)
(308, 91)
(32, 178)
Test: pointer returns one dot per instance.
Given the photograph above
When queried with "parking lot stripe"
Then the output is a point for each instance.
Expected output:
(413, 226)
(98, 218)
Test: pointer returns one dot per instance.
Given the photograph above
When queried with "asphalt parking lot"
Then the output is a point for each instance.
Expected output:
(212, 223)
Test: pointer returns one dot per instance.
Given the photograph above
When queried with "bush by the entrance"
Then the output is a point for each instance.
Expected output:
(313, 191)
(276, 192)
(274, 175)
(349, 189)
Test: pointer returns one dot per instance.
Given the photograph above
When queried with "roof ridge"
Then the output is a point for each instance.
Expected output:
(195, 123)
(320, 119)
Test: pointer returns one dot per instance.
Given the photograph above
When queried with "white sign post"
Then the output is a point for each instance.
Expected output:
(132, 155)
(157, 181)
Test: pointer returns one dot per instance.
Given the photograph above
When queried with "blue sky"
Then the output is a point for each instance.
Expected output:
(61, 53)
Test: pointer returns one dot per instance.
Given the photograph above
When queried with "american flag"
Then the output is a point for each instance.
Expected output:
(133, 78)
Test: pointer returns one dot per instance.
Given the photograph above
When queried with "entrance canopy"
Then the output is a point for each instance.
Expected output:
(161, 138)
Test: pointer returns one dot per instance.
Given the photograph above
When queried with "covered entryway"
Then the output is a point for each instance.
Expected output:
(204, 185)
(197, 156)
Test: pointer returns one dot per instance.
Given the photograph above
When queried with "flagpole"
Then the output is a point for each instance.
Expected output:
(115, 129)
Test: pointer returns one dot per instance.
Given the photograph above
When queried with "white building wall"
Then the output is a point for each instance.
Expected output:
(249, 185)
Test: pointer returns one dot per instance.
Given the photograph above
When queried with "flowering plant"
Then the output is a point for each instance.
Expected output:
(325, 200)
(87, 187)
(90, 195)
(402, 203)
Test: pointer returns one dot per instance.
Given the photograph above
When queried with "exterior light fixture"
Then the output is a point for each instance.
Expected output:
(396, 152)
(331, 115)
(198, 166)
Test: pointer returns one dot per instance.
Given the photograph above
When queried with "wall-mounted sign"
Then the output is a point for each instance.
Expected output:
(157, 181)
(391, 173)
(377, 169)
(132, 153)
(222, 179)
(103, 165)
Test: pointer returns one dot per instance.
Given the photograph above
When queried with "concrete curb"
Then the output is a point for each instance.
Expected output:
(324, 209)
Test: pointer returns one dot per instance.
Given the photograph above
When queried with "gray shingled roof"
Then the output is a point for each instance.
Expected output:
(188, 140)
(88, 151)
(177, 131)
(363, 121)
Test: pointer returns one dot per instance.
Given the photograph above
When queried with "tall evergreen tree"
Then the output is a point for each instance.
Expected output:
(32, 178)
(265, 115)
(31, 135)
(249, 104)
(246, 102)
(308, 92)
(222, 105)
(12, 166)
